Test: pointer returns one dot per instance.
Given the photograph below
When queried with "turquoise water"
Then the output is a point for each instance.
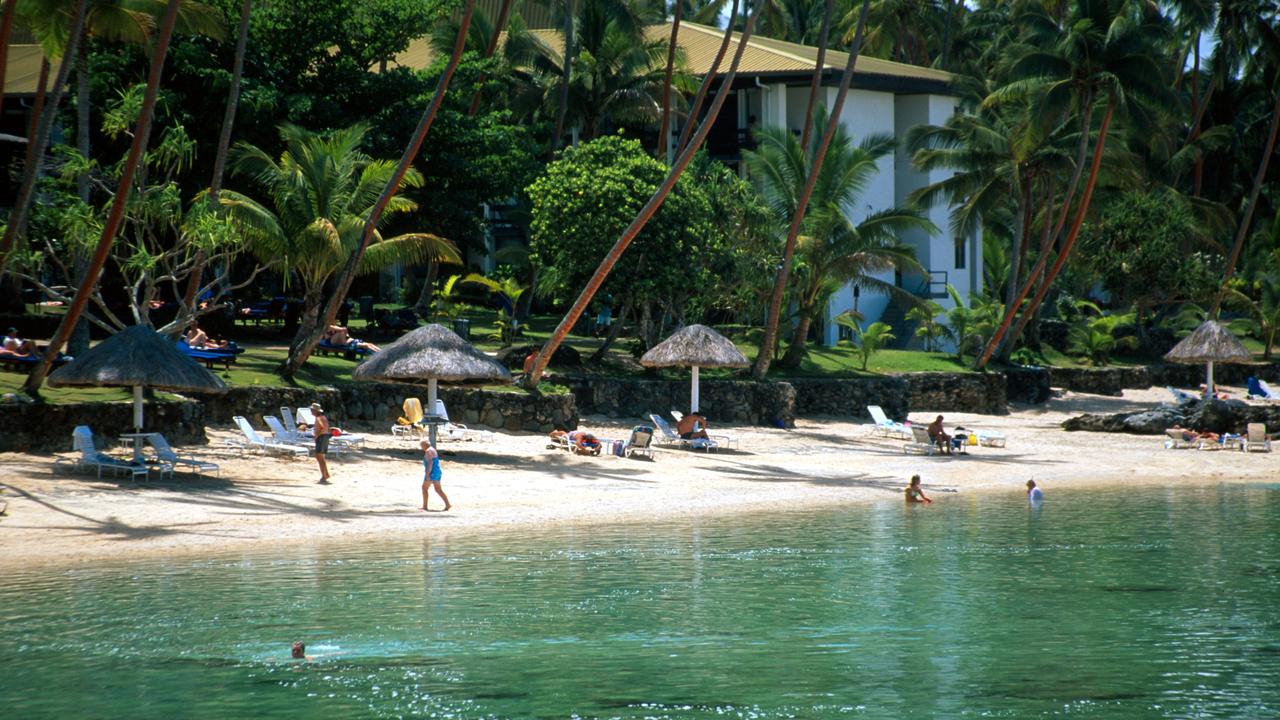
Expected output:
(1142, 604)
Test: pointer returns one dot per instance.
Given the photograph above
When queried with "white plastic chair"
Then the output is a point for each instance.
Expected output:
(91, 457)
(882, 425)
(165, 453)
(253, 441)
(671, 437)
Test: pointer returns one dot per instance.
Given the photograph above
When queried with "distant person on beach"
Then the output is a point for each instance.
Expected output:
(432, 474)
(15, 346)
(199, 340)
(580, 442)
(323, 432)
(1034, 494)
(940, 436)
(914, 492)
(692, 426)
(339, 335)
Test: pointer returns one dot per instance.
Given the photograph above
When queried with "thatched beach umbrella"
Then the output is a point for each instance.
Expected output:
(1211, 342)
(432, 353)
(137, 357)
(694, 346)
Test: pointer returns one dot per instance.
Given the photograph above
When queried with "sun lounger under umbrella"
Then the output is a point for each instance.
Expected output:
(432, 353)
(1210, 343)
(695, 346)
(137, 357)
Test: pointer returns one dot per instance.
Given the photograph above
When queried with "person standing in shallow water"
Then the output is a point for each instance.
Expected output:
(323, 432)
(915, 494)
(1034, 494)
(432, 475)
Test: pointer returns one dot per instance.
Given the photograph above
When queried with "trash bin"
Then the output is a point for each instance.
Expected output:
(366, 307)
(462, 327)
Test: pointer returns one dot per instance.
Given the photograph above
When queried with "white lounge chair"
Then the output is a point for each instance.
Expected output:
(91, 457)
(882, 425)
(166, 454)
(1255, 438)
(338, 444)
(721, 440)
(640, 442)
(670, 437)
(449, 430)
(253, 441)
(920, 442)
(1181, 438)
(285, 436)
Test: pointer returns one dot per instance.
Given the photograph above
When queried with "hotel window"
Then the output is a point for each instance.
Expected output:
(961, 246)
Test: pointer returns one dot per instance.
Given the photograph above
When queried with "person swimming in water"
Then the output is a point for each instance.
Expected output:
(914, 493)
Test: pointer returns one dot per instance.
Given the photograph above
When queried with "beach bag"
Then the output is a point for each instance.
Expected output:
(619, 448)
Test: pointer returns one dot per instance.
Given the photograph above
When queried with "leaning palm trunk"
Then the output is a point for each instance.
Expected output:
(795, 351)
(1063, 253)
(141, 135)
(664, 142)
(6, 31)
(646, 212)
(818, 66)
(301, 350)
(691, 120)
(1243, 230)
(40, 142)
(566, 74)
(504, 11)
(224, 142)
(770, 340)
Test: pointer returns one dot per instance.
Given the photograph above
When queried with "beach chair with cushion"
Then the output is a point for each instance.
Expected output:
(671, 437)
(90, 457)
(920, 442)
(449, 430)
(882, 425)
(410, 423)
(1255, 438)
(640, 442)
(1267, 391)
(1181, 438)
(165, 453)
(720, 439)
(253, 441)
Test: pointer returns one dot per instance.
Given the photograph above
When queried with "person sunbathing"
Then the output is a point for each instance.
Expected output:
(197, 339)
(692, 427)
(338, 335)
(14, 346)
(579, 442)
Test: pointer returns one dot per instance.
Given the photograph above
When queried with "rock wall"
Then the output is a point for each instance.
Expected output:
(36, 427)
(983, 393)
(1111, 381)
(1027, 385)
(851, 396)
(731, 402)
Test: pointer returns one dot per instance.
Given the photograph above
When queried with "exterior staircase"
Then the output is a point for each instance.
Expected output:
(904, 330)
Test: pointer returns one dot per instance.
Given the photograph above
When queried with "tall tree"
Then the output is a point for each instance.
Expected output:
(141, 135)
(691, 119)
(664, 141)
(647, 212)
(6, 31)
(772, 320)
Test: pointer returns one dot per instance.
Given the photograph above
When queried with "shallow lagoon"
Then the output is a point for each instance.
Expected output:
(1143, 604)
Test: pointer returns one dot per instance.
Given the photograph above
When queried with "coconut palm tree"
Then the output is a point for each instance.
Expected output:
(317, 197)
(832, 249)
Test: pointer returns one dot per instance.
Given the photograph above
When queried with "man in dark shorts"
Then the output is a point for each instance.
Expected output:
(323, 432)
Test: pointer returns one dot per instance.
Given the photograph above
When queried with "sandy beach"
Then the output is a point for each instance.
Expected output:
(514, 480)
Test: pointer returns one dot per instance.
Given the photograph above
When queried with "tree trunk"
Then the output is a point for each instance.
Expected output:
(651, 207)
(1021, 227)
(141, 135)
(770, 340)
(614, 331)
(224, 143)
(309, 323)
(566, 73)
(504, 12)
(1066, 245)
(815, 83)
(78, 343)
(37, 145)
(427, 293)
(6, 31)
(663, 151)
(343, 282)
(1242, 231)
(799, 339)
(696, 106)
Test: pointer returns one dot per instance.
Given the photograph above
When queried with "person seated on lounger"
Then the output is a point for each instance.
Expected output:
(692, 427)
(939, 436)
(14, 346)
(197, 339)
(338, 335)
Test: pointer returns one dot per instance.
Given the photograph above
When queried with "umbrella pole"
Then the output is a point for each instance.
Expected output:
(137, 408)
(431, 403)
(1208, 384)
(693, 397)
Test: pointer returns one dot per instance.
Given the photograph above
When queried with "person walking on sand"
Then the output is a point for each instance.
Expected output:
(914, 493)
(323, 432)
(1034, 494)
(432, 475)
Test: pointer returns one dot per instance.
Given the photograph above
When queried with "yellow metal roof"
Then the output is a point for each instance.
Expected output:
(763, 56)
(22, 70)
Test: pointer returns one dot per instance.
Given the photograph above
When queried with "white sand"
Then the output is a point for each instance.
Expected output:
(515, 481)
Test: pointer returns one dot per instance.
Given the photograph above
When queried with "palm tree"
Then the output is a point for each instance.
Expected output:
(833, 250)
(318, 196)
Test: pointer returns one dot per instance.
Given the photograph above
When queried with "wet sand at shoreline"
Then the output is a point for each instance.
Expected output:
(514, 481)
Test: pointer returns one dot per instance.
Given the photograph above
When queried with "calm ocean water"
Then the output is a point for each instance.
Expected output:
(1147, 603)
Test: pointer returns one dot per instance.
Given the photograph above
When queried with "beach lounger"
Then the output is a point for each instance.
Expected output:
(882, 425)
(409, 424)
(253, 441)
(350, 351)
(449, 430)
(720, 439)
(1179, 396)
(920, 442)
(165, 453)
(1181, 439)
(90, 457)
(1256, 439)
(640, 442)
(671, 437)
(346, 439)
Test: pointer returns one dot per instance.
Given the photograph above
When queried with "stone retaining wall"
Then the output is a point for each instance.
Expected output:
(728, 402)
(27, 427)
(1111, 381)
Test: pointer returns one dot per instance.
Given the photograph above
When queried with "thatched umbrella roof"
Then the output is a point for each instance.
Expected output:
(1211, 342)
(431, 352)
(695, 345)
(137, 356)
